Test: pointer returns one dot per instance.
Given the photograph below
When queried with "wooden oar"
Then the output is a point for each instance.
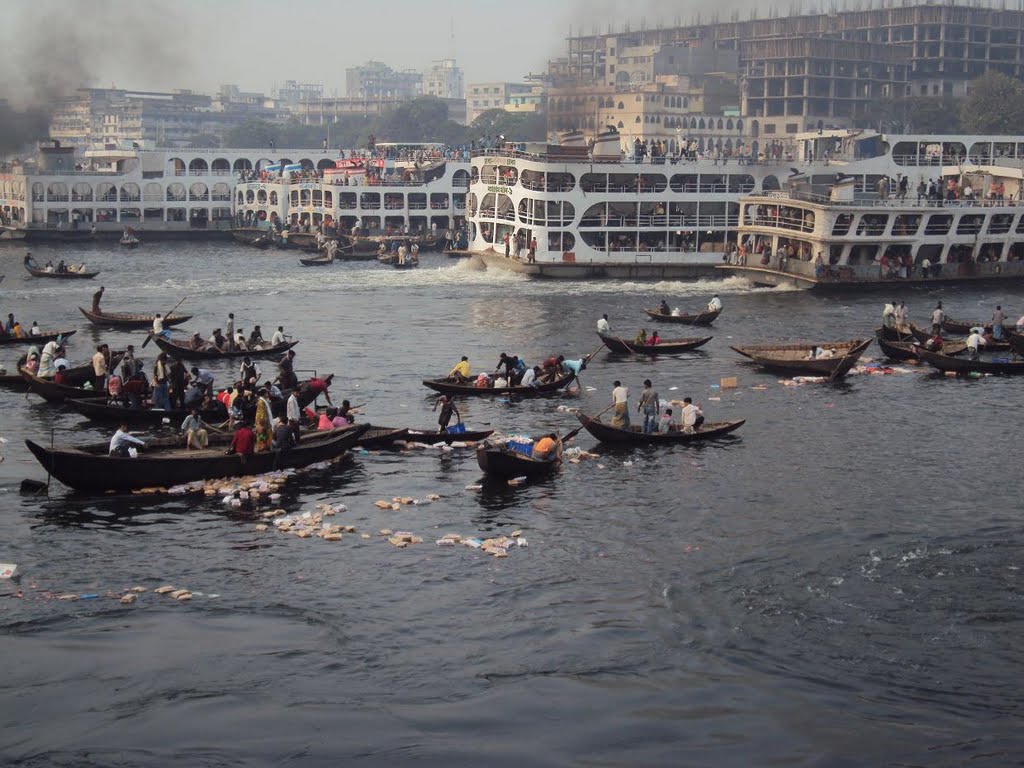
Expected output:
(576, 431)
(150, 336)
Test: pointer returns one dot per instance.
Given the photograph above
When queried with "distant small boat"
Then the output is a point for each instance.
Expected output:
(66, 275)
(129, 241)
(706, 317)
(39, 338)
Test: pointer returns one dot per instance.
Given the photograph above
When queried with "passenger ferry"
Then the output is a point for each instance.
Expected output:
(201, 193)
(970, 228)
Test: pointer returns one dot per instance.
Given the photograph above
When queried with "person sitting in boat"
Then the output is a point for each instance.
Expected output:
(822, 353)
(115, 388)
(655, 338)
(239, 340)
(61, 268)
(665, 422)
(135, 390)
(121, 441)
(32, 362)
(530, 377)
(61, 376)
(483, 381)
(664, 309)
(29, 261)
(244, 440)
(326, 420)
(715, 305)
(35, 331)
(934, 344)
(195, 430)
(641, 338)
(17, 331)
(691, 416)
(461, 371)
(255, 338)
(196, 343)
(346, 415)
(218, 340)
(546, 448)
(278, 338)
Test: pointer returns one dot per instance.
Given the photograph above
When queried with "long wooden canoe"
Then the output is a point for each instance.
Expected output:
(92, 470)
(176, 349)
(635, 435)
(453, 387)
(39, 339)
(893, 334)
(963, 365)
(58, 393)
(383, 437)
(962, 327)
(663, 347)
(61, 275)
(99, 410)
(500, 462)
(905, 350)
(74, 376)
(706, 317)
(130, 319)
(798, 359)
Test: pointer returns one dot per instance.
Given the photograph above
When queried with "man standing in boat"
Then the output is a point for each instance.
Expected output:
(96, 297)
(938, 317)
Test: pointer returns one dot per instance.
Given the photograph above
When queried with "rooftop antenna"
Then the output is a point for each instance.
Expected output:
(451, 40)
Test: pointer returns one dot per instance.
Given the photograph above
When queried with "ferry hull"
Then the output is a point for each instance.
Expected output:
(773, 278)
(590, 271)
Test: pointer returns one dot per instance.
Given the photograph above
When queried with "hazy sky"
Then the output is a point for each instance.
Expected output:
(199, 44)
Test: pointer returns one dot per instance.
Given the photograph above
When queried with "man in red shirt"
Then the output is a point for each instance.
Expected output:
(244, 441)
(316, 387)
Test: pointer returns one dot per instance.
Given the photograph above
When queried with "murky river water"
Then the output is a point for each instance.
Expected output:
(838, 586)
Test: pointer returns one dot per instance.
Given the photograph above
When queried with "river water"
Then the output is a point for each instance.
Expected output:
(839, 585)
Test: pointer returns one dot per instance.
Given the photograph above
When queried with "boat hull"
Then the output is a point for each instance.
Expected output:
(38, 339)
(502, 463)
(609, 434)
(964, 366)
(450, 387)
(830, 367)
(99, 410)
(101, 473)
(700, 318)
(183, 352)
(666, 347)
(129, 319)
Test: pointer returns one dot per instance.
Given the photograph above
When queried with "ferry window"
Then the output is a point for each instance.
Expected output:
(1020, 226)
(835, 252)
(683, 183)
(770, 184)
(595, 216)
(842, 225)
(1000, 223)
(938, 224)
(872, 224)
(906, 224)
(369, 200)
(970, 224)
(650, 182)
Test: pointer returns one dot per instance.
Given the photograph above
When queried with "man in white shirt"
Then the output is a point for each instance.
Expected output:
(121, 440)
(938, 316)
(715, 305)
(603, 326)
(292, 410)
(620, 402)
(529, 377)
(278, 337)
(691, 416)
(973, 342)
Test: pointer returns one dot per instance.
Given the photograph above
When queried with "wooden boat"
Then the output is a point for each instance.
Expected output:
(501, 462)
(129, 242)
(796, 359)
(635, 435)
(453, 387)
(1017, 342)
(663, 347)
(162, 465)
(905, 350)
(39, 339)
(130, 319)
(76, 376)
(61, 275)
(892, 334)
(707, 317)
(963, 328)
(409, 264)
(963, 365)
(183, 351)
(99, 410)
(317, 262)
(58, 393)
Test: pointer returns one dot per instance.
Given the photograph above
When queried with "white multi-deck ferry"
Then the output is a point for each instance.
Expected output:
(591, 210)
(969, 229)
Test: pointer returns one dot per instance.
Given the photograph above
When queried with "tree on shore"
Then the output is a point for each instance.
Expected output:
(994, 105)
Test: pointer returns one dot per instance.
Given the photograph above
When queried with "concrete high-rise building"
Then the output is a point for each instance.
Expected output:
(376, 80)
(444, 79)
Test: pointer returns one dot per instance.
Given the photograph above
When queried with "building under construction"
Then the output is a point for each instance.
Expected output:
(824, 69)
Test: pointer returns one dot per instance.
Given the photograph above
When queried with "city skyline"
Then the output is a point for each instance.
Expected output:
(49, 48)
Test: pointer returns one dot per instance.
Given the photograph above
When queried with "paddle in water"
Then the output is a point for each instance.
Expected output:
(149, 336)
